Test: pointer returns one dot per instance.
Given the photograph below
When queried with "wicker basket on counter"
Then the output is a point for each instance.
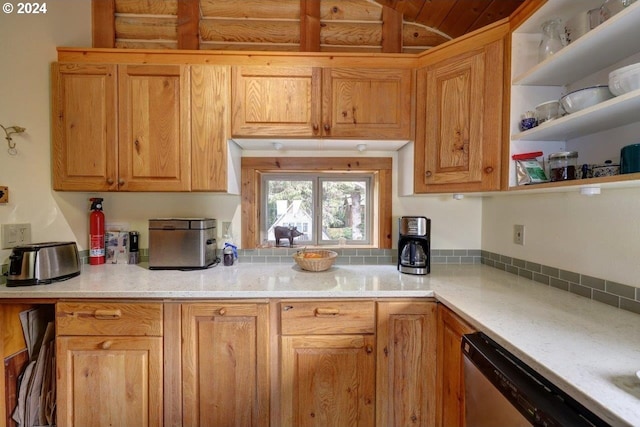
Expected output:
(315, 260)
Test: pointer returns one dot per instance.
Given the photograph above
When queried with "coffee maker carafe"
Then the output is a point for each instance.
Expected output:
(414, 245)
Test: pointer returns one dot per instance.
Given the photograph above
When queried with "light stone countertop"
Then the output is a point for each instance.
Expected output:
(587, 348)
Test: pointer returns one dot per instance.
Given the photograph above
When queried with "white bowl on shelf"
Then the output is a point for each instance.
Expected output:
(585, 98)
(625, 79)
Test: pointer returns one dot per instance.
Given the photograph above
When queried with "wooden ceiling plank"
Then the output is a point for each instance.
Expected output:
(188, 24)
(103, 24)
(148, 7)
(391, 30)
(462, 16)
(265, 9)
(434, 12)
(410, 8)
(310, 25)
(497, 10)
(353, 10)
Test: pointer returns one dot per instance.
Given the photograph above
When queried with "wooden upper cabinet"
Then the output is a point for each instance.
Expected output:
(366, 103)
(210, 127)
(154, 116)
(459, 119)
(269, 101)
(84, 126)
(316, 102)
(121, 127)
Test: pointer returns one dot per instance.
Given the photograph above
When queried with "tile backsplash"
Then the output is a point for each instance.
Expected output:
(616, 294)
(353, 256)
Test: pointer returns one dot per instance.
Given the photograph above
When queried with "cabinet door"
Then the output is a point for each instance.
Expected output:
(406, 373)
(459, 120)
(84, 121)
(276, 101)
(450, 372)
(225, 364)
(109, 381)
(154, 122)
(210, 126)
(327, 380)
(367, 103)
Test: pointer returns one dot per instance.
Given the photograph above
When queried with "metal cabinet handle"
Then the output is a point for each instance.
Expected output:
(326, 312)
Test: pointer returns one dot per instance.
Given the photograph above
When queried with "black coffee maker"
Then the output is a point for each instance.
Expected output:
(414, 245)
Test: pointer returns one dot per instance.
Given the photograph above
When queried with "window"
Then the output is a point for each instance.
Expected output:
(320, 209)
(364, 184)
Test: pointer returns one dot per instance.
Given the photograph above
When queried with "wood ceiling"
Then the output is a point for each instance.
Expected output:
(409, 26)
(453, 17)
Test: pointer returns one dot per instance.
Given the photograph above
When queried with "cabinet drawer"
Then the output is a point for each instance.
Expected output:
(93, 318)
(327, 317)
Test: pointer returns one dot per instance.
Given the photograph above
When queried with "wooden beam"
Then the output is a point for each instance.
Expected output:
(103, 23)
(188, 23)
(391, 30)
(310, 25)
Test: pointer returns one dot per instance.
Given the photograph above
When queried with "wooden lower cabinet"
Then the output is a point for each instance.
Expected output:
(406, 372)
(451, 328)
(328, 380)
(109, 381)
(225, 364)
(109, 364)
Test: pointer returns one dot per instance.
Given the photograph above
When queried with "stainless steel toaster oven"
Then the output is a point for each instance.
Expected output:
(182, 243)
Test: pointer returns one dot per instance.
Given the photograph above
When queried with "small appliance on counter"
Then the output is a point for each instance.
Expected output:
(182, 243)
(134, 247)
(43, 263)
(414, 245)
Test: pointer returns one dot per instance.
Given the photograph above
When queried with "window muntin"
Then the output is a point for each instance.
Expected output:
(323, 207)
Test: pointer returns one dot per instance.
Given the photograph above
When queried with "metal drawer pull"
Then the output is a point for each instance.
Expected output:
(107, 314)
(326, 312)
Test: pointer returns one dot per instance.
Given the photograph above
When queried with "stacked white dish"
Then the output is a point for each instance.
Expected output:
(584, 98)
(625, 79)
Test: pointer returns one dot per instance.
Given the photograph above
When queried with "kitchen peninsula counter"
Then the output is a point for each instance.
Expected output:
(587, 348)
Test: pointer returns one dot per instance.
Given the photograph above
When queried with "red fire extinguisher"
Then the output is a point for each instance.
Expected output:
(96, 232)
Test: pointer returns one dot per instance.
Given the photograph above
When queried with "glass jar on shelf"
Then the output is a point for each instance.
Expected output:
(551, 41)
(562, 165)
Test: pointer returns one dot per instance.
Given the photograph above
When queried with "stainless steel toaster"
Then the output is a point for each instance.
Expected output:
(43, 263)
(182, 243)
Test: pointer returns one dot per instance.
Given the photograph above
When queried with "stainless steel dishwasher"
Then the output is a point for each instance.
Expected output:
(501, 390)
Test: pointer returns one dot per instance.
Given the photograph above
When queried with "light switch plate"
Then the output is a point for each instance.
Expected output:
(518, 234)
(4, 194)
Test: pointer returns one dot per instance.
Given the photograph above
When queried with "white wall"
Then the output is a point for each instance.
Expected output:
(27, 47)
(594, 235)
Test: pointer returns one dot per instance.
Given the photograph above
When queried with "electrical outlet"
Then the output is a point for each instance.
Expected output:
(4, 194)
(226, 226)
(15, 235)
(518, 234)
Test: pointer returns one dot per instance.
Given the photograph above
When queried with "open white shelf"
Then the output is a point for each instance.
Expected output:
(615, 112)
(608, 43)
